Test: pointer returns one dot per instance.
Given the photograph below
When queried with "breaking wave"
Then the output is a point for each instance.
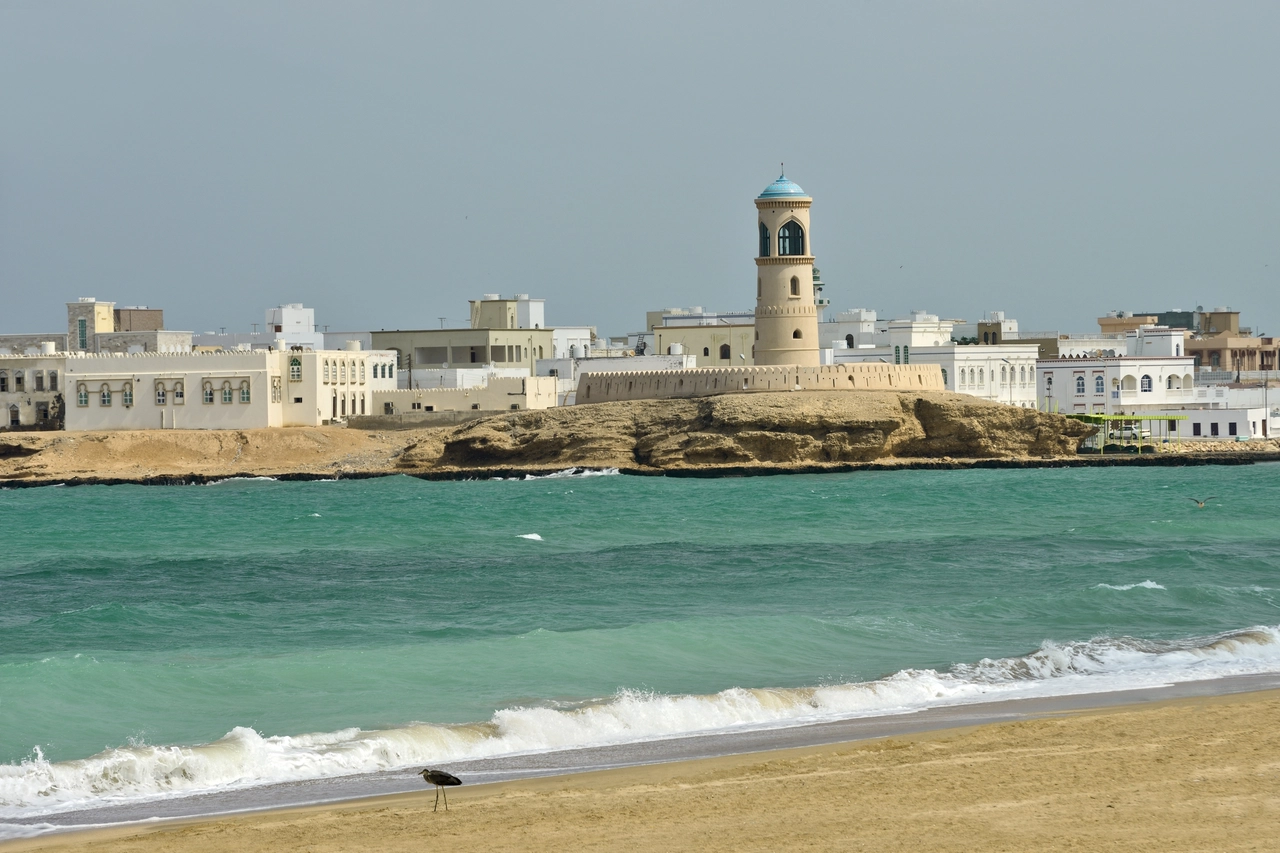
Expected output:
(1128, 586)
(246, 758)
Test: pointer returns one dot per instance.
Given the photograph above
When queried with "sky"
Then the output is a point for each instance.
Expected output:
(385, 162)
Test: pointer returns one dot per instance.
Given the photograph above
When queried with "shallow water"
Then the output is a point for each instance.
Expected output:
(162, 641)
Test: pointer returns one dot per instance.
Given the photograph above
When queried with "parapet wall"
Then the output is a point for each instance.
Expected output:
(708, 381)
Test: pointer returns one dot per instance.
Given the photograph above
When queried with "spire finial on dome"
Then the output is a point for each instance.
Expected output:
(782, 169)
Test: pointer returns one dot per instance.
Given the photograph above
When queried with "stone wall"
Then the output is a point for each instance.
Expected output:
(703, 382)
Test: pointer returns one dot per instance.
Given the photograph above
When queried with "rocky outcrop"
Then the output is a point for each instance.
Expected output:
(778, 429)
(738, 433)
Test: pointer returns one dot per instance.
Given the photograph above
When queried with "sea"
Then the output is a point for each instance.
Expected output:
(172, 650)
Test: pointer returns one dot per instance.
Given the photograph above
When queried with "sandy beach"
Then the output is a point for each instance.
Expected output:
(1188, 774)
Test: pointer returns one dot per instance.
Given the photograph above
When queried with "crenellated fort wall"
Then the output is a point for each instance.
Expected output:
(708, 381)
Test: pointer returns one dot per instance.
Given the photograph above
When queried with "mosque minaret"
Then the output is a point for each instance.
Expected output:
(786, 314)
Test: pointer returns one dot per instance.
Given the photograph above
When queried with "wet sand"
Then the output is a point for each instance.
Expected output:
(1197, 773)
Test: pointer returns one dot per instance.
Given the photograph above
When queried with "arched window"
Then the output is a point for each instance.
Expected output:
(848, 341)
(207, 394)
(244, 392)
(1079, 384)
(706, 351)
(981, 376)
(944, 377)
(362, 404)
(344, 373)
(759, 288)
(82, 395)
(795, 286)
(362, 371)
(897, 355)
(1003, 376)
(179, 394)
(906, 353)
(104, 396)
(986, 337)
(226, 392)
(764, 240)
(326, 369)
(1099, 385)
(1022, 375)
(724, 351)
(295, 370)
(4, 381)
(161, 395)
(791, 239)
(796, 334)
(1146, 382)
(14, 418)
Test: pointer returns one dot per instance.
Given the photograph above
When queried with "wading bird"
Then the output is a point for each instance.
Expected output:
(439, 778)
(1201, 503)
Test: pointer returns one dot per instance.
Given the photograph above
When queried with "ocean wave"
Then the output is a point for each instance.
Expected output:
(238, 480)
(1128, 586)
(245, 758)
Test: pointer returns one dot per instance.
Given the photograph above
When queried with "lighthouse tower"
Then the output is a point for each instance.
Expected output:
(786, 316)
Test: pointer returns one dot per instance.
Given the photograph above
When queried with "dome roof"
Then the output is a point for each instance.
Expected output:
(782, 188)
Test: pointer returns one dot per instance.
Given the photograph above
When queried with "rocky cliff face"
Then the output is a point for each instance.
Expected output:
(776, 429)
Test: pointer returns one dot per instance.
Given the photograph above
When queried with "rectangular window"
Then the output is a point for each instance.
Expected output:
(1173, 426)
(38, 375)
(128, 397)
(4, 382)
(1195, 429)
(1231, 428)
(244, 394)
(53, 380)
(19, 383)
(1213, 429)
(297, 399)
(82, 398)
(208, 394)
(160, 397)
(82, 332)
(105, 397)
(226, 395)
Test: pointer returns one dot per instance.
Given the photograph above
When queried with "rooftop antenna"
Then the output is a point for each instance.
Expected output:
(441, 319)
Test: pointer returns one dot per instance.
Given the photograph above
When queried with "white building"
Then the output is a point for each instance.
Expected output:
(31, 389)
(1004, 373)
(567, 371)
(226, 390)
(293, 323)
(1153, 375)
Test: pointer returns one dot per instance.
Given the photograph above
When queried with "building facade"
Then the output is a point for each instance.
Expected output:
(31, 390)
(1154, 374)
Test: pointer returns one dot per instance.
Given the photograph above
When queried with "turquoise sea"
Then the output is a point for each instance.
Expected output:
(157, 642)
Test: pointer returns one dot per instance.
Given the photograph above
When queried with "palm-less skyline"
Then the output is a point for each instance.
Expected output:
(385, 163)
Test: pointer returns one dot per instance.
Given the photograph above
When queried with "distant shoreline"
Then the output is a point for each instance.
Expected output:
(1160, 460)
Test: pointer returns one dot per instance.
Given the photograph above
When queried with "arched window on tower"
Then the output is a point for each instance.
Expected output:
(764, 240)
(795, 286)
(724, 351)
(791, 239)
(706, 351)
(796, 334)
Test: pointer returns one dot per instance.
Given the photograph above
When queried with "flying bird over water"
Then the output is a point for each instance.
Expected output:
(1203, 502)
(439, 778)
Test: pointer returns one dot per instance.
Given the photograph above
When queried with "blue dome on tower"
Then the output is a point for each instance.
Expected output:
(782, 188)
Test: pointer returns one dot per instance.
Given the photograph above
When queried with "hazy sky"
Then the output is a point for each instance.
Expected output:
(385, 162)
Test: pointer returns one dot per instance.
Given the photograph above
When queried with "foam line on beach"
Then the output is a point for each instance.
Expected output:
(245, 758)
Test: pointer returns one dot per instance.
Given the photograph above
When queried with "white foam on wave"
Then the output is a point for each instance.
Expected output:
(574, 472)
(1128, 586)
(535, 537)
(239, 480)
(244, 758)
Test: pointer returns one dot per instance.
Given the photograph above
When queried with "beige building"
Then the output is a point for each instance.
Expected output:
(500, 394)
(786, 315)
(226, 390)
(706, 382)
(712, 346)
(446, 348)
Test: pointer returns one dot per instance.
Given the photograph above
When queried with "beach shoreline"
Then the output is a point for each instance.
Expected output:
(1183, 773)
(619, 767)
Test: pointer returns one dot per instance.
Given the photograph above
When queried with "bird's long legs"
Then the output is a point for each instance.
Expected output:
(439, 791)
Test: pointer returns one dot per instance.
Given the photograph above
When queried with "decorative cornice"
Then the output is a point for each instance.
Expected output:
(786, 261)
(790, 203)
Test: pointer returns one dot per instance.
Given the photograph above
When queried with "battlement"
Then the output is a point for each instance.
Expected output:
(709, 381)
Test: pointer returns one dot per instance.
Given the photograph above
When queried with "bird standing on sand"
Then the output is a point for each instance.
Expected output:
(439, 778)
(1203, 502)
